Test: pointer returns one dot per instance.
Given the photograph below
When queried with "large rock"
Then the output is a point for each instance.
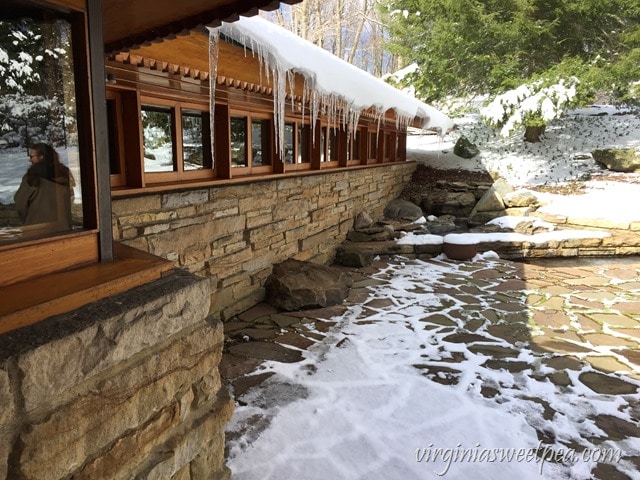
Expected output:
(363, 220)
(521, 198)
(402, 209)
(618, 160)
(465, 149)
(492, 200)
(297, 285)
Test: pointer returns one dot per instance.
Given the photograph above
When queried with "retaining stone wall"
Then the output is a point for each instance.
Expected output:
(232, 234)
(126, 387)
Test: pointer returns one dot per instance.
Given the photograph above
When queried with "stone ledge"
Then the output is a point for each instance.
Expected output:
(615, 245)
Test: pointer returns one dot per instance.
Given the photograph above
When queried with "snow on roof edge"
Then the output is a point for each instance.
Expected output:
(358, 88)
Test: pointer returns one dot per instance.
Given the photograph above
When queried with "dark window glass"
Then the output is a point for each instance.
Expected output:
(333, 144)
(114, 145)
(356, 146)
(239, 142)
(373, 145)
(304, 143)
(260, 142)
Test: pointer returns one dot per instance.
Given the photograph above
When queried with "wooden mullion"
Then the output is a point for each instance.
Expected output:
(222, 157)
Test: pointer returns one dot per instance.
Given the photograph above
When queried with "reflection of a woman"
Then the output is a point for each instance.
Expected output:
(44, 195)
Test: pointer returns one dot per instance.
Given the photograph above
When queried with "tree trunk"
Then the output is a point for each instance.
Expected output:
(533, 134)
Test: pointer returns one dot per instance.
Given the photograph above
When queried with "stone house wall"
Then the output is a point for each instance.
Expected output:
(232, 234)
(126, 387)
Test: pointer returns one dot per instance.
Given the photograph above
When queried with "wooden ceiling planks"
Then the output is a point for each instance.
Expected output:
(129, 23)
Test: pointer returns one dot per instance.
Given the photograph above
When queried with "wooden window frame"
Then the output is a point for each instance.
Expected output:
(180, 174)
(373, 145)
(251, 169)
(333, 161)
(294, 167)
(355, 145)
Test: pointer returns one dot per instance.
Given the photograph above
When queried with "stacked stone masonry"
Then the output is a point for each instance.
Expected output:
(127, 387)
(232, 234)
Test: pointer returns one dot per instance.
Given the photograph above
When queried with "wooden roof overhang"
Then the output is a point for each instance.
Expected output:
(130, 23)
(188, 55)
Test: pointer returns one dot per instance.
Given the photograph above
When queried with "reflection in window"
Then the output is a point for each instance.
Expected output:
(238, 127)
(289, 128)
(260, 142)
(40, 191)
(157, 128)
(333, 145)
(196, 141)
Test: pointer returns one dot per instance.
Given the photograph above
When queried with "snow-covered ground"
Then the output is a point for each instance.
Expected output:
(562, 157)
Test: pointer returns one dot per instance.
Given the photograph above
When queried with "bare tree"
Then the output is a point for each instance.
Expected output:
(350, 29)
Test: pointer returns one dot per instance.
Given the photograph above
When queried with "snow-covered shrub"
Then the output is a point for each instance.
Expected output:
(530, 105)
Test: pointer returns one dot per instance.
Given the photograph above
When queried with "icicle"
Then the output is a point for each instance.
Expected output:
(214, 44)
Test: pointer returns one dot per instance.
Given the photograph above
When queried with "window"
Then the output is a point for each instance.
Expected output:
(251, 144)
(304, 143)
(158, 141)
(297, 146)
(175, 140)
(329, 146)
(355, 148)
(373, 146)
(196, 140)
(41, 190)
(116, 142)
(387, 147)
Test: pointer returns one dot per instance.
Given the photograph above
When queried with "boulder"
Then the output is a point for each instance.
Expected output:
(363, 220)
(465, 149)
(443, 224)
(521, 198)
(492, 200)
(618, 160)
(459, 204)
(298, 285)
(402, 209)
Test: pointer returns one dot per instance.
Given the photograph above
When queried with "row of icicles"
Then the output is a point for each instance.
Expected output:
(338, 110)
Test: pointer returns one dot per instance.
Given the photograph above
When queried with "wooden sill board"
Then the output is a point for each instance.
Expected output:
(28, 302)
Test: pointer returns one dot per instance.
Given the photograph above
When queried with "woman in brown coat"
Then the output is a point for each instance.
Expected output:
(45, 193)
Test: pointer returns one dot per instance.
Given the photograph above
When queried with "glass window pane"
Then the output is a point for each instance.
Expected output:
(157, 135)
(356, 146)
(288, 142)
(260, 142)
(333, 145)
(387, 145)
(196, 141)
(238, 126)
(323, 144)
(40, 191)
(373, 145)
(114, 145)
(304, 143)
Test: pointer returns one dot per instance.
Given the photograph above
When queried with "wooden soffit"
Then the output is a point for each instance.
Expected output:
(129, 23)
(188, 56)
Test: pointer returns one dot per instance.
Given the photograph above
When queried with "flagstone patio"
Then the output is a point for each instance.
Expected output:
(577, 321)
